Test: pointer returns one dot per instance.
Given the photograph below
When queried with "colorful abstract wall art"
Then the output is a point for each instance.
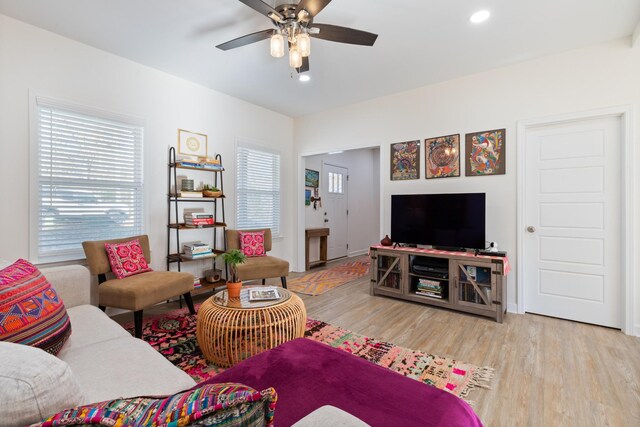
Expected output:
(486, 153)
(442, 156)
(405, 160)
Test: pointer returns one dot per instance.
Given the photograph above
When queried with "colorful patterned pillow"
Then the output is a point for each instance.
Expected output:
(30, 311)
(252, 243)
(126, 258)
(224, 404)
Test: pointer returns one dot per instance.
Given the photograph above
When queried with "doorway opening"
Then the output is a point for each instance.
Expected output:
(346, 201)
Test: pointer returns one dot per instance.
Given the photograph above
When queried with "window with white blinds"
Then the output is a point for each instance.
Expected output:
(89, 181)
(258, 189)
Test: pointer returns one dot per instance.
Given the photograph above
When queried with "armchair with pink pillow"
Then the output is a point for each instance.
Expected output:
(259, 265)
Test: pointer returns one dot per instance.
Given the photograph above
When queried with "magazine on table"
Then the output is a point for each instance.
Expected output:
(263, 294)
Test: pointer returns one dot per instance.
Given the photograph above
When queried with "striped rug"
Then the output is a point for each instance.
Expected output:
(322, 281)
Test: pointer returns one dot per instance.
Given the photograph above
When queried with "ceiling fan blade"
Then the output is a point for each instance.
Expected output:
(305, 65)
(312, 6)
(339, 34)
(245, 40)
(263, 8)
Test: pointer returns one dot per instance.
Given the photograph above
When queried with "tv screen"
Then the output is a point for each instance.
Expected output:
(444, 220)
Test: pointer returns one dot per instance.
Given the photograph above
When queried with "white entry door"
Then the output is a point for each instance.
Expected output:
(573, 213)
(335, 209)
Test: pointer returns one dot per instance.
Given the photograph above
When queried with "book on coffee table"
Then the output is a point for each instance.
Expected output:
(265, 294)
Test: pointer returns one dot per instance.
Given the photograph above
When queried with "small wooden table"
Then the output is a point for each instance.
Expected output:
(322, 233)
(230, 330)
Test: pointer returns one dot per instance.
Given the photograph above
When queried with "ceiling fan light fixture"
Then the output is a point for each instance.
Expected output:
(295, 58)
(304, 44)
(277, 45)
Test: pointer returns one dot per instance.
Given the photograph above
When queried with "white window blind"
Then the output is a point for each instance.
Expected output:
(258, 189)
(89, 181)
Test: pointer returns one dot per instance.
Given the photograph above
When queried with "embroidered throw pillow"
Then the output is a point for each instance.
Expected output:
(31, 312)
(252, 243)
(126, 258)
(224, 404)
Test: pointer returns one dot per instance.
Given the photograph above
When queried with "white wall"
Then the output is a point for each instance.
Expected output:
(594, 77)
(363, 221)
(57, 67)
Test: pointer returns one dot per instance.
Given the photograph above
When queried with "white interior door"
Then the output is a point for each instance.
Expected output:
(335, 209)
(573, 213)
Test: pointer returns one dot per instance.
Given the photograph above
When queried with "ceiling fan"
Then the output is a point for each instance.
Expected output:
(294, 23)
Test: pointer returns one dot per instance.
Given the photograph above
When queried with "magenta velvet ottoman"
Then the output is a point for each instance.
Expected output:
(307, 375)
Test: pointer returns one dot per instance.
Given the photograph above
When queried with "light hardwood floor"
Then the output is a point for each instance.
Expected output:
(548, 372)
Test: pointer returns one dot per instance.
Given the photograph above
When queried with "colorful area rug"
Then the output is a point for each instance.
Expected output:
(322, 281)
(174, 336)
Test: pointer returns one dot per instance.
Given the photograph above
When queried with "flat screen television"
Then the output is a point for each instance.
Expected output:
(451, 221)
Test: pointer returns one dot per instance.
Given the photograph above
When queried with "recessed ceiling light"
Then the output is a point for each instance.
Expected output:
(480, 16)
(304, 77)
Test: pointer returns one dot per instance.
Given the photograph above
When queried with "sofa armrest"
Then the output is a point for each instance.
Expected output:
(71, 282)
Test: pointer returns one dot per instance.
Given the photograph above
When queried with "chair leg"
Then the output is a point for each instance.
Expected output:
(102, 307)
(189, 301)
(137, 321)
(283, 279)
(264, 281)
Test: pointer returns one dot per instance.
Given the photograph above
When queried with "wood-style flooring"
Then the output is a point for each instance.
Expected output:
(549, 372)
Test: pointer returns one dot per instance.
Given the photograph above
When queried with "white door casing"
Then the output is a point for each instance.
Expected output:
(571, 260)
(335, 209)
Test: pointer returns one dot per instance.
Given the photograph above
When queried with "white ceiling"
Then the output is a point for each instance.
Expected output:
(420, 41)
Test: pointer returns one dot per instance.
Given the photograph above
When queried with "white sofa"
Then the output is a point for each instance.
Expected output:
(106, 361)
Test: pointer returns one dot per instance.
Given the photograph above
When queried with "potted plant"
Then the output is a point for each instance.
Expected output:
(211, 191)
(232, 259)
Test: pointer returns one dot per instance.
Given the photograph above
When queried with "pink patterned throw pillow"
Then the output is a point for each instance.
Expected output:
(31, 313)
(126, 258)
(252, 243)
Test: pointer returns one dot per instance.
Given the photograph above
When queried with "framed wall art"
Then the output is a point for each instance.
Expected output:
(311, 178)
(405, 160)
(307, 197)
(486, 153)
(442, 156)
(192, 143)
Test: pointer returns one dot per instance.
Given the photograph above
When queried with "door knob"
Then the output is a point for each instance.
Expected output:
(531, 229)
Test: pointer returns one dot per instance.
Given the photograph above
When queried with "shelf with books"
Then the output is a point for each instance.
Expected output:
(183, 214)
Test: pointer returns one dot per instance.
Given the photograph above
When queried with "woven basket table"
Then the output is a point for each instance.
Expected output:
(230, 330)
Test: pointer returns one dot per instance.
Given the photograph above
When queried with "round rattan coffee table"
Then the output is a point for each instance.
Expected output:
(231, 330)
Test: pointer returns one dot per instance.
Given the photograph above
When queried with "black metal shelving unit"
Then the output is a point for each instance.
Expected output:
(174, 249)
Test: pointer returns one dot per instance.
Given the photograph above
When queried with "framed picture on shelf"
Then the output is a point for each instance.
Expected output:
(442, 156)
(192, 143)
(311, 178)
(486, 153)
(405, 160)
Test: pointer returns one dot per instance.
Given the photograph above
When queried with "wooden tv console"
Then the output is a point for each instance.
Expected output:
(456, 280)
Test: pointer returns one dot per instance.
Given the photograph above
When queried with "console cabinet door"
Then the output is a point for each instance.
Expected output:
(388, 271)
(476, 285)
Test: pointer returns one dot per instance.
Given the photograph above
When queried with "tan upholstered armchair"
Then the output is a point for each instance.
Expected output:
(139, 291)
(262, 267)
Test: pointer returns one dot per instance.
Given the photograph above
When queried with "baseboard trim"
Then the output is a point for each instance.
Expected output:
(512, 307)
(358, 253)
(636, 330)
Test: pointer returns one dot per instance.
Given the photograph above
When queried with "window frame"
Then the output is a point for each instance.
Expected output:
(242, 143)
(35, 101)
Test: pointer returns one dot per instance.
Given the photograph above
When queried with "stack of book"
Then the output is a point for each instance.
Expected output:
(197, 218)
(208, 163)
(190, 194)
(430, 288)
(197, 250)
